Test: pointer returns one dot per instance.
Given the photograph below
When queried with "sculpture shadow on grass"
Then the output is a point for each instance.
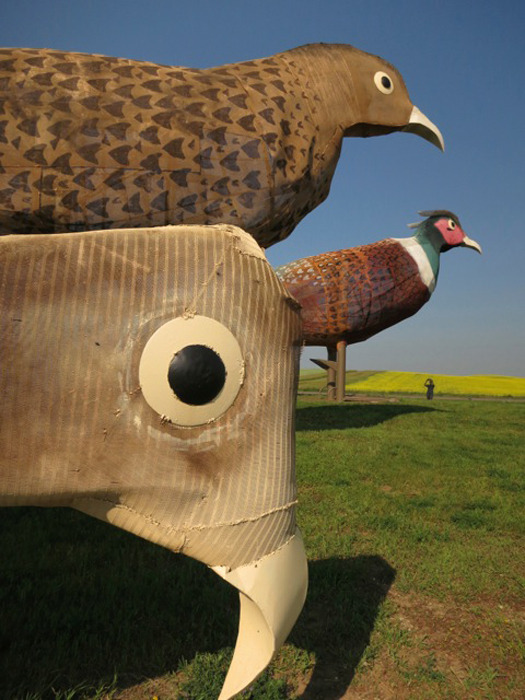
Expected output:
(344, 599)
(343, 416)
(81, 602)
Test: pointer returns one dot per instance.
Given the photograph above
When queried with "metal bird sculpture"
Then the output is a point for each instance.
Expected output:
(91, 142)
(350, 295)
(135, 388)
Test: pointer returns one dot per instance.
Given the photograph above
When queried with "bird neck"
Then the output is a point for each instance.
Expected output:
(424, 257)
(330, 95)
(431, 242)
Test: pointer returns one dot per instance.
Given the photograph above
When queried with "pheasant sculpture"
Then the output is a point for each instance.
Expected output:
(91, 142)
(350, 295)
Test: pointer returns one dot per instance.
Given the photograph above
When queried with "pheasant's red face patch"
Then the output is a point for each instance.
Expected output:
(450, 230)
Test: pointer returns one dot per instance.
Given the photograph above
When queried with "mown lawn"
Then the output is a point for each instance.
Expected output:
(413, 518)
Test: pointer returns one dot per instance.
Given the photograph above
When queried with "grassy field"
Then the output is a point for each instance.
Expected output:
(412, 383)
(413, 518)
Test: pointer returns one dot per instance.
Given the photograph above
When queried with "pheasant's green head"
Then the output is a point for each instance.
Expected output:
(443, 231)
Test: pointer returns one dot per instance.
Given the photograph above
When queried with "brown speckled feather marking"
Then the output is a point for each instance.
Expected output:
(353, 294)
(91, 142)
(98, 142)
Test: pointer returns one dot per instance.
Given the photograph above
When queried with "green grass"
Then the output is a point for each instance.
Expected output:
(419, 480)
(370, 381)
(413, 517)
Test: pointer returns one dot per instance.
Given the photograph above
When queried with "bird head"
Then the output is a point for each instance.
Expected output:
(187, 438)
(443, 229)
(382, 101)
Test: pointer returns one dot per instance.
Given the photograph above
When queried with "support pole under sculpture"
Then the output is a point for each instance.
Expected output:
(335, 367)
(341, 371)
(332, 359)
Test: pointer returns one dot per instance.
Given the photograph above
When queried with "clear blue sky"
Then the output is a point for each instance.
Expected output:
(464, 65)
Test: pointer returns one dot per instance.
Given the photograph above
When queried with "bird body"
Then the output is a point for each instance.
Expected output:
(350, 295)
(93, 142)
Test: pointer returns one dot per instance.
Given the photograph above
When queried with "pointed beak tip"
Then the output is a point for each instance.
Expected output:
(272, 593)
(422, 126)
(469, 243)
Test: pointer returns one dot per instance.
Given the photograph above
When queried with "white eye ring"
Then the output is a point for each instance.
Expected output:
(169, 339)
(451, 224)
(384, 82)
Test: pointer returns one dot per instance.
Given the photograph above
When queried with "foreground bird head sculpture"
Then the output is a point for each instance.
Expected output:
(350, 295)
(363, 94)
(135, 387)
(91, 142)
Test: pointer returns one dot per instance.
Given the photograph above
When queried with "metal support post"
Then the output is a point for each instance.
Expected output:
(332, 359)
(341, 371)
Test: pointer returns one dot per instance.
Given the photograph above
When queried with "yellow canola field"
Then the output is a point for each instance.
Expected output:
(413, 382)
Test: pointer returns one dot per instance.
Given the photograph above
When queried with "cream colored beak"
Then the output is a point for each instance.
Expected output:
(469, 243)
(422, 126)
(272, 592)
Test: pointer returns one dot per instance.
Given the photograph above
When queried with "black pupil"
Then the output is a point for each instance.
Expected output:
(386, 82)
(196, 374)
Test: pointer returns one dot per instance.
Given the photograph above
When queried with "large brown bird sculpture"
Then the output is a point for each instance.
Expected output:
(91, 142)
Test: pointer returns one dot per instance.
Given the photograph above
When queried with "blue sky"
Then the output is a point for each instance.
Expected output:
(464, 65)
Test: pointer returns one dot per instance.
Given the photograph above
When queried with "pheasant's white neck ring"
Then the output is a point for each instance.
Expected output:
(418, 254)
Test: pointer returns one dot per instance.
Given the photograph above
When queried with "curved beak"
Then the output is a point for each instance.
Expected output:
(422, 126)
(469, 243)
(272, 591)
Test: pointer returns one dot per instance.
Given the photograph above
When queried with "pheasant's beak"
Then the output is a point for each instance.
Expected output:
(272, 592)
(469, 243)
(422, 126)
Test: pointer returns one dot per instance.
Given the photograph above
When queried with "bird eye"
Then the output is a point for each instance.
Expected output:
(191, 370)
(451, 224)
(384, 82)
(196, 374)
